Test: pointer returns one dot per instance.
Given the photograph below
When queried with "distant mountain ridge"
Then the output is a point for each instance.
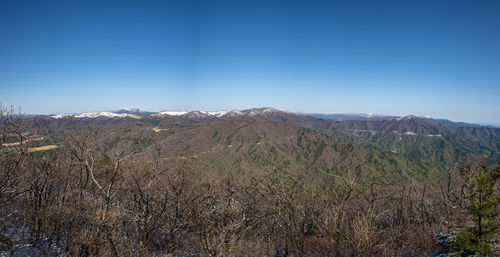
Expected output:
(137, 113)
(351, 116)
(258, 112)
(442, 141)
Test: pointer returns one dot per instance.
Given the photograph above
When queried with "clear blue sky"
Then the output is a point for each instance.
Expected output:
(437, 58)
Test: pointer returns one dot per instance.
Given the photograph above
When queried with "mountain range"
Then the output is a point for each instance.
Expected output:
(386, 149)
(138, 113)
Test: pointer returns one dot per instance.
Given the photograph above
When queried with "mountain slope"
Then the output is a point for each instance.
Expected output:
(253, 145)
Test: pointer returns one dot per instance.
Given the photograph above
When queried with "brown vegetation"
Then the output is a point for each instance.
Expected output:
(115, 195)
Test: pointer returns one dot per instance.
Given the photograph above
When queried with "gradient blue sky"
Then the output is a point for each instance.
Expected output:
(437, 58)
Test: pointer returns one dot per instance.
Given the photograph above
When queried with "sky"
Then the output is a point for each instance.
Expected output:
(433, 58)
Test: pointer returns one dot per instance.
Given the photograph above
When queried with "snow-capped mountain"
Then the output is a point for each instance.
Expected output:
(233, 113)
(138, 113)
(169, 113)
(265, 113)
(252, 112)
(192, 114)
(95, 115)
(217, 113)
(198, 114)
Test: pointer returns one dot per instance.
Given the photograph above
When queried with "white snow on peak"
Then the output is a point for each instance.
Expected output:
(233, 113)
(257, 111)
(136, 113)
(170, 113)
(95, 115)
(217, 113)
(253, 112)
(196, 114)
(203, 114)
(408, 117)
(105, 114)
(192, 114)
(266, 110)
(59, 116)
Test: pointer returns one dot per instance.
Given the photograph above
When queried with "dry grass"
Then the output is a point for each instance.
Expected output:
(156, 129)
(42, 148)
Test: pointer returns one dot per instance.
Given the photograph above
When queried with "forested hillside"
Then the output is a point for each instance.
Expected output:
(236, 185)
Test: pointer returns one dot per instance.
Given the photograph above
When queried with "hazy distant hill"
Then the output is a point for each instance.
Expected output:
(351, 116)
(440, 141)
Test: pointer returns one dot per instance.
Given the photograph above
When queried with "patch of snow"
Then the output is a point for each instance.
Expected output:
(138, 113)
(266, 110)
(258, 111)
(105, 114)
(196, 114)
(170, 113)
(233, 113)
(408, 117)
(59, 116)
(410, 133)
(95, 115)
(217, 113)
(193, 114)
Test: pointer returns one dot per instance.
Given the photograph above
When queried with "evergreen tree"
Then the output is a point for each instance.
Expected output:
(482, 203)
